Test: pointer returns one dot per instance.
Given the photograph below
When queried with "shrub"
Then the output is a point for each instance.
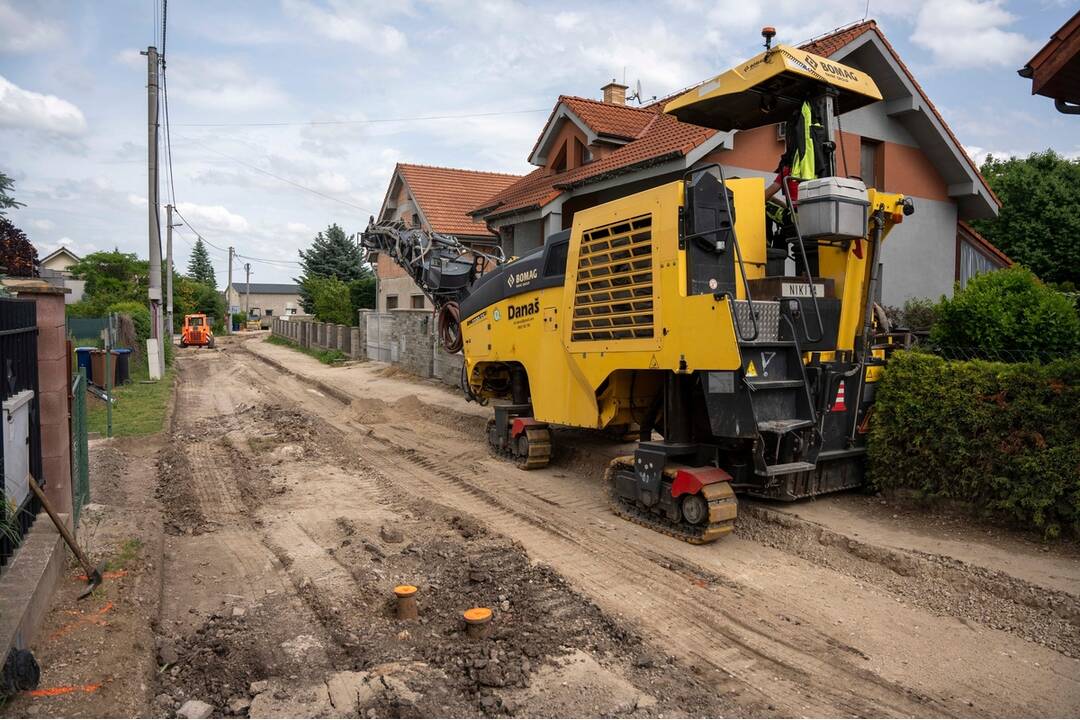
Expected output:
(919, 314)
(1001, 437)
(330, 300)
(139, 314)
(1007, 311)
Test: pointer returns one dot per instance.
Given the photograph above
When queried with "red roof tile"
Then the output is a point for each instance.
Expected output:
(656, 137)
(445, 195)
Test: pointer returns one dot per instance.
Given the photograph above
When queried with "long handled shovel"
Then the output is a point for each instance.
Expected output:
(93, 574)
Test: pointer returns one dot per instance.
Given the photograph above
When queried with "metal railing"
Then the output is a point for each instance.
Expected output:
(80, 448)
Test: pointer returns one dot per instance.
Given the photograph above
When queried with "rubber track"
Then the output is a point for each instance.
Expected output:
(693, 534)
(539, 448)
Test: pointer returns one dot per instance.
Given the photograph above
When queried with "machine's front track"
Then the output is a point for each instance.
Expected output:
(716, 503)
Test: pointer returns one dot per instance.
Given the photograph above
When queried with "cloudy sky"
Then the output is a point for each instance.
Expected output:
(289, 115)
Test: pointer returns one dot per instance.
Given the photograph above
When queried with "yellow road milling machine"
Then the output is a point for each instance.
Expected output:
(734, 340)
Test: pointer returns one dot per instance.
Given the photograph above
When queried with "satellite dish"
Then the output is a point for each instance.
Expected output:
(637, 92)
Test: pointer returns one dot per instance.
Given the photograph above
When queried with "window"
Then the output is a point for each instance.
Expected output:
(416, 220)
(391, 302)
(417, 302)
(972, 263)
(869, 163)
(269, 312)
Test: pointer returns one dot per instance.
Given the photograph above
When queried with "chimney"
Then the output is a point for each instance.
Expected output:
(614, 93)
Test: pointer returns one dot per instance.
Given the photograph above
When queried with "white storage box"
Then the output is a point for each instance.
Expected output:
(16, 428)
(833, 208)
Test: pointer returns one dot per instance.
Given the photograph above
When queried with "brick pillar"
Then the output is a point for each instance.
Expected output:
(53, 380)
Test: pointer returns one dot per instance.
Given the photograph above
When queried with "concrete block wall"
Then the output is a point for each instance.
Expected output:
(404, 337)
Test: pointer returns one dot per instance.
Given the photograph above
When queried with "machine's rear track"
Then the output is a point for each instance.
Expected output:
(720, 500)
(529, 451)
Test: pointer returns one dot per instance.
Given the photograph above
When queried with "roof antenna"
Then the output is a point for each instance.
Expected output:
(768, 33)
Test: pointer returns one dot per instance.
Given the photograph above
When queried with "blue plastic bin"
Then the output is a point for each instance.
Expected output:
(82, 359)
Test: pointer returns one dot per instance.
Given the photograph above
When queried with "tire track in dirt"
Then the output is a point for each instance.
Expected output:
(771, 665)
(773, 639)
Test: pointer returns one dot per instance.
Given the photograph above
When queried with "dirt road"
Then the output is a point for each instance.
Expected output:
(295, 496)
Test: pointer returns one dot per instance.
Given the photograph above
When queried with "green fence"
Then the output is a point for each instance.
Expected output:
(80, 447)
(85, 328)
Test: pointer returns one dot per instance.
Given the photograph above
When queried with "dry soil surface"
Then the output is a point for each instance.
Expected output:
(291, 497)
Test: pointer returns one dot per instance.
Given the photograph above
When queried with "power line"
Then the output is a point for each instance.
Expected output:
(279, 178)
(373, 121)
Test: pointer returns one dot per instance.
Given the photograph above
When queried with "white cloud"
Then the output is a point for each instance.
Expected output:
(137, 200)
(214, 217)
(42, 225)
(222, 85)
(568, 20)
(969, 33)
(22, 34)
(131, 57)
(29, 110)
(347, 23)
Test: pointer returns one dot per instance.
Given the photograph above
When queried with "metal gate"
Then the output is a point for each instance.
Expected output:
(80, 446)
(381, 344)
(19, 373)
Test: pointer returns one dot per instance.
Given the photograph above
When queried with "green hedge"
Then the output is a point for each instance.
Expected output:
(1002, 437)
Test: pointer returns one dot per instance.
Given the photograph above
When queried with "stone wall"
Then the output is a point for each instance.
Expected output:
(403, 337)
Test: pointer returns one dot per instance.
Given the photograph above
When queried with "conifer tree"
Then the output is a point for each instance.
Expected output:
(199, 266)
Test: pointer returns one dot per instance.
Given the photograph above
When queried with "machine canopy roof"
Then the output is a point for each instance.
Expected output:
(769, 87)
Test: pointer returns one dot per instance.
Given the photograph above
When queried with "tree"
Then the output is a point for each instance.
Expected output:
(7, 202)
(330, 300)
(331, 255)
(362, 294)
(1039, 222)
(111, 277)
(191, 296)
(199, 266)
(17, 256)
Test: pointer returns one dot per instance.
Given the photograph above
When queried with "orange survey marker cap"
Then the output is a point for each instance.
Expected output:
(477, 615)
(404, 591)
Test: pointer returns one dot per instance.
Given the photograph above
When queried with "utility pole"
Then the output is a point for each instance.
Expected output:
(156, 368)
(247, 293)
(228, 297)
(169, 273)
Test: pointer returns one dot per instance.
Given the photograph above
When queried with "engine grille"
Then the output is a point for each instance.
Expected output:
(613, 297)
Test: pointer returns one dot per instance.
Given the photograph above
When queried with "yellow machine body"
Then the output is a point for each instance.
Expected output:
(580, 378)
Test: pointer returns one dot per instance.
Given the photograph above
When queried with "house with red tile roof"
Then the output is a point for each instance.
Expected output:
(592, 151)
(436, 199)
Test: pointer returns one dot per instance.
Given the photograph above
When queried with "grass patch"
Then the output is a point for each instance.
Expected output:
(128, 551)
(328, 357)
(140, 407)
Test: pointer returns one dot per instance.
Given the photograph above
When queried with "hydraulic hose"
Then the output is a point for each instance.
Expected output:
(449, 324)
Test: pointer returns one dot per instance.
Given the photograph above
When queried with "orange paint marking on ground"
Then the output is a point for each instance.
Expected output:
(94, 619)
(63, 690)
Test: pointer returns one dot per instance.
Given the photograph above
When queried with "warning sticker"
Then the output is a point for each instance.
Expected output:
(653, 364)
(751, 371)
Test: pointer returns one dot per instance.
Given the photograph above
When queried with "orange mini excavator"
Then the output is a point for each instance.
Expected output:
(196, 331)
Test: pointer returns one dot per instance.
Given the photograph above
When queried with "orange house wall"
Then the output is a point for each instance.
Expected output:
(907, 170)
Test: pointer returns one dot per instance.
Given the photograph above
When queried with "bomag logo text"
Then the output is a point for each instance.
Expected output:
(521, 278)
(835, 70)
(524, 310)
